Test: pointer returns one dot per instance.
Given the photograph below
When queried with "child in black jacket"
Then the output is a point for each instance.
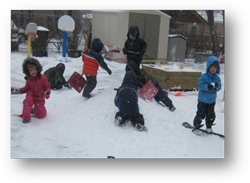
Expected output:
(134, 47)
(56, 78)
(126, 100)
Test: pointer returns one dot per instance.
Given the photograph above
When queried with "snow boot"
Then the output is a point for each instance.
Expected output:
(26, 121)
(172, 108)
(87, 96)
(140, 127)
(119, 119)
(209, 130)
(209, 127)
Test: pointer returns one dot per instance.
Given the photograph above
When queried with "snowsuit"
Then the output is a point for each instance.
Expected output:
(136, 45)
(55, 77)
(92, 59)
(35, 88)
(126, 100)
(206, 97)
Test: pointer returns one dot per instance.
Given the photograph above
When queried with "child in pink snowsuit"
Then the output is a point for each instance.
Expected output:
(37, 88)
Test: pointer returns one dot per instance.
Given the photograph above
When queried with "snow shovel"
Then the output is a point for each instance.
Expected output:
(77, 81)
(148, 90)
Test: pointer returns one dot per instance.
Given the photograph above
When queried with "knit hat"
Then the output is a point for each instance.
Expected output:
(215, 64)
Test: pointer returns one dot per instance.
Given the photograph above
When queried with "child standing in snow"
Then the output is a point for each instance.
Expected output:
(92, 59)
(56, 78)
(126, 100)
(143, 77)
(37, 89)
(209, 84)
(134, 47)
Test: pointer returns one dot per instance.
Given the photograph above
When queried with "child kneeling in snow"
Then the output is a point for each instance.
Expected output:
(37, 89)
(209, 84)
(126, 100)
(56, 78)
(143, 77)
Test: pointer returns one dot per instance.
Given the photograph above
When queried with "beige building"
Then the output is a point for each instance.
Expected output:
(112, 26)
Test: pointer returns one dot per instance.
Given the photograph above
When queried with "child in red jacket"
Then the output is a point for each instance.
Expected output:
(37, 88)
(92, 59)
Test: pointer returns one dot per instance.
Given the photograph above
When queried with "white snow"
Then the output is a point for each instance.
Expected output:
(79, 128)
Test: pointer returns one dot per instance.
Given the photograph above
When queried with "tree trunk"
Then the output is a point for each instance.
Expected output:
(210, 15)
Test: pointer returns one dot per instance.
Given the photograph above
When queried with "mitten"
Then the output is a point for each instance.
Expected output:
(124, 51)
(141, 53)
(211, 86)
(15, 91)
(141, 79)
(67, 85)
(216, 86)
(47, 94)
(109, 71)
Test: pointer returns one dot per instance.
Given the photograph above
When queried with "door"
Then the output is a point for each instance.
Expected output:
(149, 26)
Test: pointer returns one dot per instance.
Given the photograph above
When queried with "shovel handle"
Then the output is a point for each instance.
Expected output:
(130, 51)
(133, 72)
(133, 52)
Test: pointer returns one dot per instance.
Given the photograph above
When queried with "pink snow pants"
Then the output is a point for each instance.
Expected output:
(39, 109)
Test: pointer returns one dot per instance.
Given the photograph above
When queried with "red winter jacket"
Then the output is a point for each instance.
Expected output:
(36, 87)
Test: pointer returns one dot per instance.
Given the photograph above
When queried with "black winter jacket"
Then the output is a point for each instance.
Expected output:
(126, 98)
(136, 45)
(55, 76)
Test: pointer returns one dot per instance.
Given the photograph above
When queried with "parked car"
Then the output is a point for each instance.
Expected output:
(17, 35)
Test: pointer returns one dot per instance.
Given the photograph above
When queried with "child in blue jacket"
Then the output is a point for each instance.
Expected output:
(209, 84)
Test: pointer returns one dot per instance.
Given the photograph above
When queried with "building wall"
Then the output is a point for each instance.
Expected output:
(112, 26)
(176, 49)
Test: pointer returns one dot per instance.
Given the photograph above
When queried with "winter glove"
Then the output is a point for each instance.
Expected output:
(67, 85)
(216, 86)
(141, 53)
(124, 51)
(15, 91)
(109, 71)
(47, 94)
(141, 79)
(211, 86)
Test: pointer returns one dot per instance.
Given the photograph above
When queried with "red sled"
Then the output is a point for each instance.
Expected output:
(77, 81)
(148, 91)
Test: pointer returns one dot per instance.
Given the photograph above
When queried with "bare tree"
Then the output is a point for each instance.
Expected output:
(210, 16)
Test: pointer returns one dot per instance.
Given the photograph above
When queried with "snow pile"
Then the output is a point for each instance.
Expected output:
(79, 128)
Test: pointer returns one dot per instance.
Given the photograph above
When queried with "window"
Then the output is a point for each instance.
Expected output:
(193, 29)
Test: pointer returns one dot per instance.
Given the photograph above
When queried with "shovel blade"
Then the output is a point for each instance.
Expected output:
(148, 91)
(77, 81)
(113, 49)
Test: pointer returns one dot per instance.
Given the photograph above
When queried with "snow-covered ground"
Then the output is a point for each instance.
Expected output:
(78, 128)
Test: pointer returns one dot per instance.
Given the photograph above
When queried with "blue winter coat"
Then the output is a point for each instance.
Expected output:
(206, 95)
(126, 97)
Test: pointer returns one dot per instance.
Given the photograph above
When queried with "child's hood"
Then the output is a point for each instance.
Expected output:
(60, 68)
(210, 61)
(34, 62)
(133, 29)
(130, 78)
(97, 45)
